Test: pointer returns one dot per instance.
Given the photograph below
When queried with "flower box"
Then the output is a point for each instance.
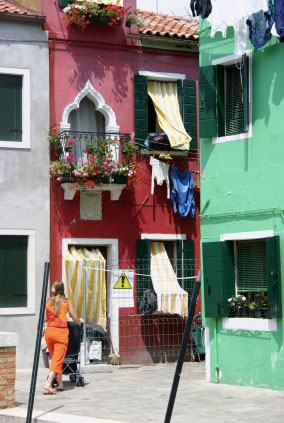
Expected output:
(84, 13)
(71, 188)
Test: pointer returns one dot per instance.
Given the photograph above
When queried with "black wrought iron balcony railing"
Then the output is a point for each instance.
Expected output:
(84, 145)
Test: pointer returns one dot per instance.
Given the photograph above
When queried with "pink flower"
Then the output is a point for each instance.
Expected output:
(71, 142)
(71, 158)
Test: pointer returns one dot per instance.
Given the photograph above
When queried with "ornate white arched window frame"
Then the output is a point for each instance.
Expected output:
(100, 105)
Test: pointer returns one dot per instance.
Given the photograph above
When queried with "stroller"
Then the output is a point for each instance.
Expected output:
(71, 364)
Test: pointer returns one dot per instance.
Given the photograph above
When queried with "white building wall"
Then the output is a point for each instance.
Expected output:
(24, 175)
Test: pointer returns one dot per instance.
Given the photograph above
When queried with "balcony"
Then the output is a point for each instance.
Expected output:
(93, 161)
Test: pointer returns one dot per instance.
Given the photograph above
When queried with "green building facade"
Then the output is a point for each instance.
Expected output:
(241, 107)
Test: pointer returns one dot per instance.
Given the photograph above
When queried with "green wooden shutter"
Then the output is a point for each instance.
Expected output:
(140, 109)
(13, 254)
(220, 92)
(186, 265)
(245, 75)
(143, 268)
(189, 111)
(273, 276)
(207, 102)
(219, 277)
(11, 107)
(236, 98)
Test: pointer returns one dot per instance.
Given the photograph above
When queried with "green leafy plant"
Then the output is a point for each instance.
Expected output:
(241, 305)
(97, 165)
(54, 139)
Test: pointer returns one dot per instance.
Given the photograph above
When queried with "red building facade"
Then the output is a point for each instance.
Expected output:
(93, 71)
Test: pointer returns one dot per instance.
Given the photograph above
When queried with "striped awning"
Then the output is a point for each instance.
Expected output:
(171, 297)
(94, 262)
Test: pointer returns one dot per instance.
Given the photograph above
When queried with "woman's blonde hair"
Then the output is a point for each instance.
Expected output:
(58, 297)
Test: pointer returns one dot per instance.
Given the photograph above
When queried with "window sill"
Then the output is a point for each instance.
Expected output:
(115, 190)
(227, 138)
(176, 153)
(249, 323)
(11, 311)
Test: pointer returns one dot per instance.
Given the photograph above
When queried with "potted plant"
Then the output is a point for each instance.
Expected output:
(97, 166)
(86, 12)
(238, 306)
(55, 142)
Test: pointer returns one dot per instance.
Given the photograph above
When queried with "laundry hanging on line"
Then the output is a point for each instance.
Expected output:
(160, 173)
(201, 8)
(260, 25)
(226, 13)
(278, 28)
(182, 193)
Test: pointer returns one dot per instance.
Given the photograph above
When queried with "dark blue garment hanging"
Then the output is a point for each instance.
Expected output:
(260, 25)
(201, 8)
(279, 16)
(182, 192)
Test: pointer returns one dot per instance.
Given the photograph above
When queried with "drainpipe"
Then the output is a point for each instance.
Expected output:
(217, 369)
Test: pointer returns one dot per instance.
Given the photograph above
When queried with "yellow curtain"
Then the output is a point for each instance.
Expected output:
(170, 296)
(164, 96)
(95, 282)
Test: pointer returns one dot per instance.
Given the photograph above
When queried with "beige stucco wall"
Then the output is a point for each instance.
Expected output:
(31, 4)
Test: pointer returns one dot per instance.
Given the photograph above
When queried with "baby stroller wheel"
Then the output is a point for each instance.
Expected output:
(77, 382)
(82, 381)
(72, 378)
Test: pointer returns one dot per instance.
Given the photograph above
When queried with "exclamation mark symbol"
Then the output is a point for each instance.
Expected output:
(122, 281)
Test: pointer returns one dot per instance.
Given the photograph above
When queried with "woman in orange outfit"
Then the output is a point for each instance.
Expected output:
(57, 333)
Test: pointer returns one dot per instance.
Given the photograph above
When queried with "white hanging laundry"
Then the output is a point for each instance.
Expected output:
(234, 13)
(160, 172)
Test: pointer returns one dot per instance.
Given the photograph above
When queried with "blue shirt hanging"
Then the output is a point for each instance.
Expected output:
(182, 192)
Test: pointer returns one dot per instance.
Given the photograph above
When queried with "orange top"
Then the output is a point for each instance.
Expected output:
(53, 320)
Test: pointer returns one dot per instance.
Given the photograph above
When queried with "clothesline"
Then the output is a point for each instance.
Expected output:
(138, 274)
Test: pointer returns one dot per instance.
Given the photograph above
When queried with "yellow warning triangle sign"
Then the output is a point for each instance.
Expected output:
(123, 282)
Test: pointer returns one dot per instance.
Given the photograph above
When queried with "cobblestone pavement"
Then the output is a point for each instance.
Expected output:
(133, 394)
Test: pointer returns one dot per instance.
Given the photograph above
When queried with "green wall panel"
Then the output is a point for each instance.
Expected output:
(242, 191)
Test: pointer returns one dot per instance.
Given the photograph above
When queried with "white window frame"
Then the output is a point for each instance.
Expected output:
(231, 60)
(234, 323)
(31, 262)
(164, 237)
(25, 143)
(162, 76)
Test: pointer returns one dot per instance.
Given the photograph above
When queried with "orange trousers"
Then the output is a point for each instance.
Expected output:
(57, 343)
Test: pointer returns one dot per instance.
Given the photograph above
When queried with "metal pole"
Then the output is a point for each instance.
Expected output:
(84, 312)
(38, 342)
(183, 349)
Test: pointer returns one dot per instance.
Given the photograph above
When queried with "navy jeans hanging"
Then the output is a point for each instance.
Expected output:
(260, 25)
